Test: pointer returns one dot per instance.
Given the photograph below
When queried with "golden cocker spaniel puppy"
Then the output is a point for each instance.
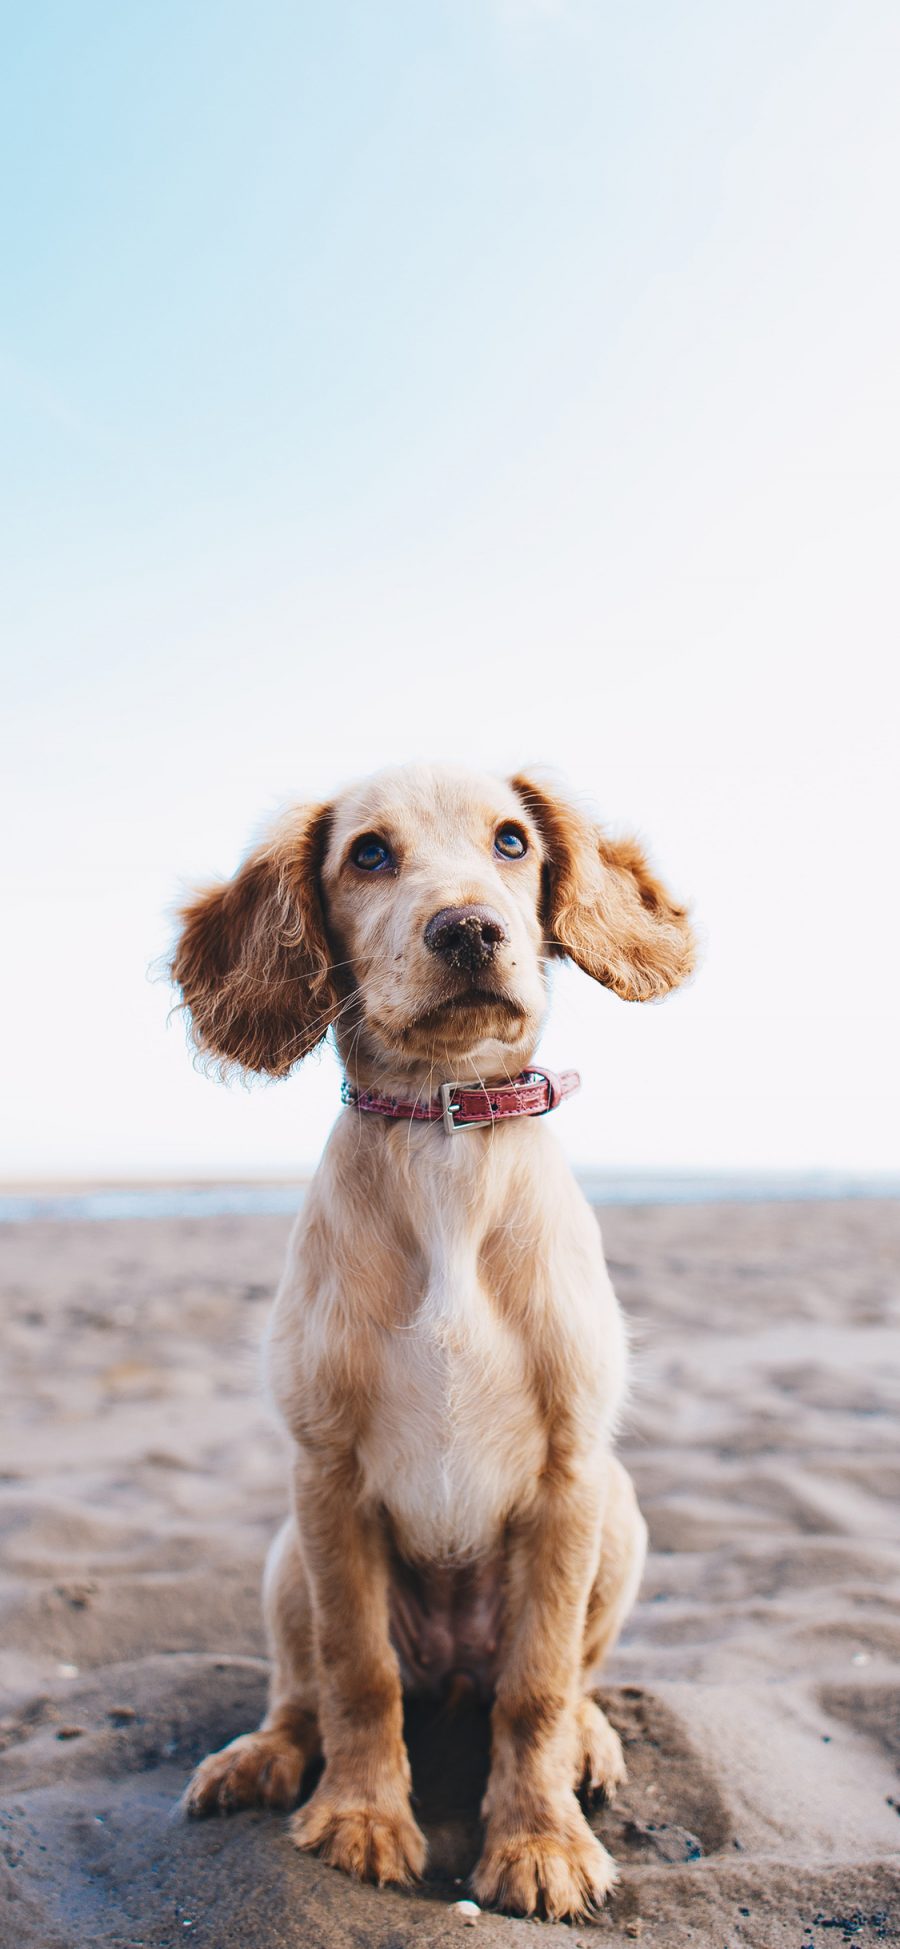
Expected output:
(446, 1351)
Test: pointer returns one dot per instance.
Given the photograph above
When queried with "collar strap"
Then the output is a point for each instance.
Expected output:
(463, 1106)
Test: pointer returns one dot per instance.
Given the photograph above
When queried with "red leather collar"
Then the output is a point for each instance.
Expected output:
(463, 1106)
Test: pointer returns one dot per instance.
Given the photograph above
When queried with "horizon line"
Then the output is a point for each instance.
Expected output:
(104, 1199)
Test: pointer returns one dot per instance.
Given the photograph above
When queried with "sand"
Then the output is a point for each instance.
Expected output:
(755, 1687)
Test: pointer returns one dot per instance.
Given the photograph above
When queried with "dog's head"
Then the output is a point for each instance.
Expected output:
(416, 913)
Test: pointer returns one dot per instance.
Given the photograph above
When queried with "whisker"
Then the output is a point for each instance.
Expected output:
(416, 1101)
(359, 1113)
(312, 1032)
(332, 967)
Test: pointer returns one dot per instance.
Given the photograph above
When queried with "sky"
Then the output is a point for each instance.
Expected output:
(496, 381)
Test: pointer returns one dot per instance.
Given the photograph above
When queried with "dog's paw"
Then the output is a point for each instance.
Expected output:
(601, 1761)
(373, 1843)
(559, 1873)
(258, 1769)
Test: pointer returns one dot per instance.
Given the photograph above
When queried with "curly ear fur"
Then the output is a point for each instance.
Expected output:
(604, 907)
(253, 961)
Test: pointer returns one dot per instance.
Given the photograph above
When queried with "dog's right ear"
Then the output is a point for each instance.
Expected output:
(253, 960)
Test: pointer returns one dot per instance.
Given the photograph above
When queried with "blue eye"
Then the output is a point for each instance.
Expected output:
(370, 853)
(511, 843)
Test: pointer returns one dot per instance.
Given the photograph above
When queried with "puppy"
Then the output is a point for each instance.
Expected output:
(446, 1350)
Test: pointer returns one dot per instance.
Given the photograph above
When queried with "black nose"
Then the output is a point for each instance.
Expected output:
(465, 937)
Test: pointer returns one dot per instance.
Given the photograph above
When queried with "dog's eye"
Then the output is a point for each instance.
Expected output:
(371, 853)
(511, 843)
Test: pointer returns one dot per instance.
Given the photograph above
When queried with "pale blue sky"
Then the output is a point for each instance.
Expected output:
(487, 380)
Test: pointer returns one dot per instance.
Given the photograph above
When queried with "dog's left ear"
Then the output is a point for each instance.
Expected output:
(603, 905)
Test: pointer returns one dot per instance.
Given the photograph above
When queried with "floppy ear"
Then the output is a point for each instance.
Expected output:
(603, 905)
(253, 961)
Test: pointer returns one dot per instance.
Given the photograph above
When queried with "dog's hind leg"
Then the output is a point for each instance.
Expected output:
(267, 1766)
(601, 1765)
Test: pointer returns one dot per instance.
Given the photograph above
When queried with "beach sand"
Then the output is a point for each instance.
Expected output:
(755, 1688)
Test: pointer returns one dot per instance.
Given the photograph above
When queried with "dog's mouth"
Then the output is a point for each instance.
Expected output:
(470, 1001)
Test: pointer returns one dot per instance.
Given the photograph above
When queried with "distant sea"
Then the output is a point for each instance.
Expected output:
(107, 1201)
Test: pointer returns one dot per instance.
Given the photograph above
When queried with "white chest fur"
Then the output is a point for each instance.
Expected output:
(477, 1255)
(454, 1439)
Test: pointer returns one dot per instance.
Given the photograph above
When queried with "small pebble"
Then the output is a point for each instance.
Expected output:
(635, 1928)
(69, 1732)
(121, 1714)
(468, 1912)
(67, 1671)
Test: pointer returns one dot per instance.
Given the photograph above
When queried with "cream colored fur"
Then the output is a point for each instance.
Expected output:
(446, 1350)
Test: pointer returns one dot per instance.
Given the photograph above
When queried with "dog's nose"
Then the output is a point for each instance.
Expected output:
(465, 937)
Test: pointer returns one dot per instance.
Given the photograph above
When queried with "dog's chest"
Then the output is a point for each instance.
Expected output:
(454, 1440)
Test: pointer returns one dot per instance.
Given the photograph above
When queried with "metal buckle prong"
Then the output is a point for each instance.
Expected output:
(452, 1128)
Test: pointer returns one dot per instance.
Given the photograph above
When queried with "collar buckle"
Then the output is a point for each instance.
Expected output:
(448, 1112)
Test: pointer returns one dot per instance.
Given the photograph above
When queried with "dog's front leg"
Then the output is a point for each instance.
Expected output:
(359, 1817)
(539, 1852)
